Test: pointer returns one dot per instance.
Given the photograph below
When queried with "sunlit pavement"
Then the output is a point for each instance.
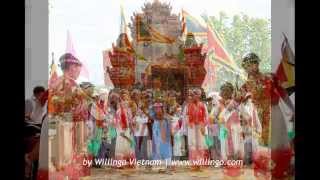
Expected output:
(178, 174)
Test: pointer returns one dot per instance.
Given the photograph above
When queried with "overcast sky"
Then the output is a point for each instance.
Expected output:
(94, 24)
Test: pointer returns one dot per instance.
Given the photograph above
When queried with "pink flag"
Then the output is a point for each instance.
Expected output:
(70, 49)
(210, 79)
(219, 51)
(106, 65)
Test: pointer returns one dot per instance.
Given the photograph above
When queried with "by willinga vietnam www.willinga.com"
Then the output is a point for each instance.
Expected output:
(135, 162)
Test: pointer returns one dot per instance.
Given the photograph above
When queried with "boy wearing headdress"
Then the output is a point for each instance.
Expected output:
(230, 132)
(229, 118)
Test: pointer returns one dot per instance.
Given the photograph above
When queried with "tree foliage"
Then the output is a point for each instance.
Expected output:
(242, 34)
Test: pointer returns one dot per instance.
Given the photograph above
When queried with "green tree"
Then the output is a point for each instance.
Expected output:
(242, 34)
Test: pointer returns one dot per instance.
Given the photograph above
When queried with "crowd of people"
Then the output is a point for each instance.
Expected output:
(161, 128)
(156, 124)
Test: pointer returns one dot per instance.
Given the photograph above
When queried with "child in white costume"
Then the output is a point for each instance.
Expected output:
(124, 149)
(178, 138)
(251, 128)
(229, 117)
(141, 135)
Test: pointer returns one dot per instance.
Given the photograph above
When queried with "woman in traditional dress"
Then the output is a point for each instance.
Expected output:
(230, 117)
(141, 133)
(67, 113)
(161, 136)
(230, 132)
(178, 139)
(215, 149)
(251, 129)
(113, 101)
(197, 122)
(184, 118)
(266, 92)
(98, 129)
(125, 144)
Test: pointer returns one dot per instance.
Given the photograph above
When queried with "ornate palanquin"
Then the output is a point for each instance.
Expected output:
(169, 71)
(194, 60)
(178, 64)
(122, 72)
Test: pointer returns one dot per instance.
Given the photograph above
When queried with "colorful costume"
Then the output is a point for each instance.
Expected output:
(178, 138)
(197, 119)
(68, 111)
(141, 135)
(125, 144)
(232, 144)
(98, 130)
(266, 93)
(251, 128)
(161, 140)
(215, 149)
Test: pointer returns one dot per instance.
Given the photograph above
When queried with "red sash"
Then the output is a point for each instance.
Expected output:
(123, 118)
(196, 113)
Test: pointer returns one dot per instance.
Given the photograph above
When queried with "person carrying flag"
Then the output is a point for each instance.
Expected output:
(65, 122)
(266, 92)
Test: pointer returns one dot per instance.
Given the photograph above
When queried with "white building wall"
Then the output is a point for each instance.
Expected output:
(36, 45)
(282, 21)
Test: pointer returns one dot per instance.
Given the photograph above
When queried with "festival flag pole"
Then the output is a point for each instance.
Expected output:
(53, 75)
(286, 68)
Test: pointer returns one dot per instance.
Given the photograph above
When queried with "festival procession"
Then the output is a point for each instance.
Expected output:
(165, 111)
